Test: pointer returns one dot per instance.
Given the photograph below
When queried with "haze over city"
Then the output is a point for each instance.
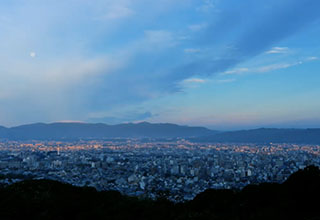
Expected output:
(221, 64)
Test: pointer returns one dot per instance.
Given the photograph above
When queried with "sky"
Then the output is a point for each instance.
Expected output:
(223, 64)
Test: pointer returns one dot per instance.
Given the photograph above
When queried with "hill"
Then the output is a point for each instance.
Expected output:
(265, 135)
(296, 198)
(3, 131)
(57, 131)
(75, 131)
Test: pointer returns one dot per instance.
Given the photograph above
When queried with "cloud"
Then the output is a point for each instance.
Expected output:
(250, 37)
(268, 68)
(236, 71)
(278, 50)
(276, 66)
(312, 58)
(49, 91)
(89, 65)
(194, 80)
(33, 54)
(261, 69)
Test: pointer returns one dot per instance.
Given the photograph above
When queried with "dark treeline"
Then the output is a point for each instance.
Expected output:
(296, 198)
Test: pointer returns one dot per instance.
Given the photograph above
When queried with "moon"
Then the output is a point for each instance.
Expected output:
(33, 54)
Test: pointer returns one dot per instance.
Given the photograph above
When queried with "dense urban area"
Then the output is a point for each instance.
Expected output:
(178, 170)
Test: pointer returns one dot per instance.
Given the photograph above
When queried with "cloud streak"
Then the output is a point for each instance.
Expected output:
(268, 68)
(264, 31)
(278, 50)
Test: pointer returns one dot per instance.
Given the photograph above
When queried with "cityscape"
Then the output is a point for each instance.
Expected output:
(176, 169)
(159, 110)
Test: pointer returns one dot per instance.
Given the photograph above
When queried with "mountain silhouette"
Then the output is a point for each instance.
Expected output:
(58, 131)
(265, 135)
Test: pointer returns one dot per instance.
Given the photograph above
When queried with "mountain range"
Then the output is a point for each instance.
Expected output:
(71, 131)
(57, 131)
(264, 135)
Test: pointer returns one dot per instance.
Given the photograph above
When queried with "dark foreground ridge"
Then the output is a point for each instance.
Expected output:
(296, 198)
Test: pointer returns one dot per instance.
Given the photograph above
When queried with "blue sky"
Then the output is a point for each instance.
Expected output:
(224, 64)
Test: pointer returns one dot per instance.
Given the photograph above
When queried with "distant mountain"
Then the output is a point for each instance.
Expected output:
(72, 131)
(265, 135)
(57, 131)
(3, 131)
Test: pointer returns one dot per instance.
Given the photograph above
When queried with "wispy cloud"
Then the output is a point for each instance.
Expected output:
(312, 58)
(276, 66)
(194, 80)
(134, 53)
(236, 71)
(268, 68)
(278, 50)
(261, 69)
(247, 37)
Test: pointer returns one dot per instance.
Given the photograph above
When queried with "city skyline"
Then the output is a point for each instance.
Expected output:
(220, 64)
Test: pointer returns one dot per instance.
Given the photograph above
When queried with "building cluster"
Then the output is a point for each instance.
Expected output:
(178, 170)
